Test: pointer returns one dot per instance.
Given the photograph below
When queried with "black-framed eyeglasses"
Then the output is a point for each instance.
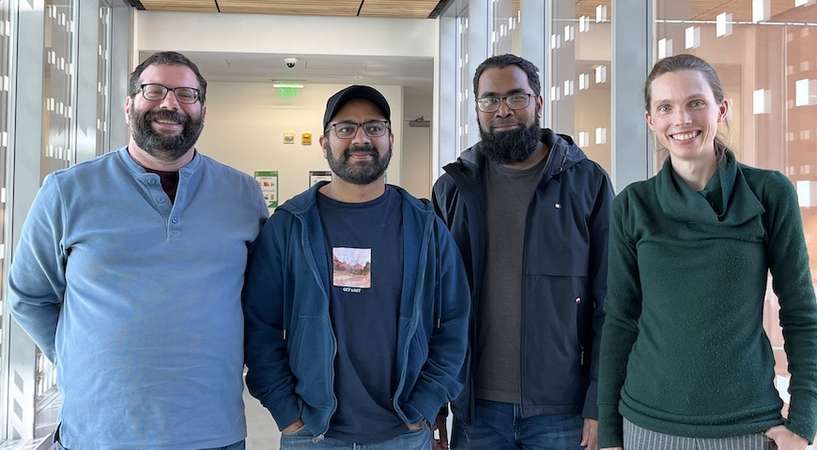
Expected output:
(156, 92)
(372, 128)
(490, 103)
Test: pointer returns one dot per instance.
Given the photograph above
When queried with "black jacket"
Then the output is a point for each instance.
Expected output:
(564, 274)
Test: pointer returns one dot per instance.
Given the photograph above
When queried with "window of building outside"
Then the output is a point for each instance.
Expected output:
(464, 86)
(103, 72)
(580, 94)
(765, 52)
(5, 50)
(57, 149)
(506, 36)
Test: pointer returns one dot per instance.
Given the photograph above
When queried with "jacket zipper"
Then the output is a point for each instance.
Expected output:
(305, 243)
(522, 329)
(415, 313)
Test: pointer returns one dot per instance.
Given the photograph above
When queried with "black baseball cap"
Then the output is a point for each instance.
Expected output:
(336, 102)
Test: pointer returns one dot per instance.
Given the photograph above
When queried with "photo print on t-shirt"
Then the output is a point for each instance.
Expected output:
(352, 268)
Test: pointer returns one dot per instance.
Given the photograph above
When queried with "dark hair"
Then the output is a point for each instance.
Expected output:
(168, 59)
(681, 62)
(502, 61)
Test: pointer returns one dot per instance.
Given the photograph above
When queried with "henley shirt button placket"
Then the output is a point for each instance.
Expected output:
(174, 229)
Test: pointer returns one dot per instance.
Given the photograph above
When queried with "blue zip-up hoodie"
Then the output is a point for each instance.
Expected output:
(289, 341)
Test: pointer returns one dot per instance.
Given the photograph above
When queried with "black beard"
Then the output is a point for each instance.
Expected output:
(358, 173)
(510, 146)
(165, 148)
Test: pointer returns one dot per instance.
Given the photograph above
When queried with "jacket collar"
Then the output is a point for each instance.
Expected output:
(417, 223)
(301, 204)
(563, 154)
(680, 202)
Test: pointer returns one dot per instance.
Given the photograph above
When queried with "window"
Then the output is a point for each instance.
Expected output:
(766, 56)
(580, 93)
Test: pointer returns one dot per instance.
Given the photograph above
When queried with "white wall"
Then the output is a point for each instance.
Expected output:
(416, 163)
(245, 122)
(251, 33)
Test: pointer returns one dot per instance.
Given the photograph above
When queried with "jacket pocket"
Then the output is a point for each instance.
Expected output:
(416, 356)
(553, 316)
(561, 262)
(309, 351)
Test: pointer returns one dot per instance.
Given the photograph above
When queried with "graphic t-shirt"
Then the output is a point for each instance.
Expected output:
(365, 247)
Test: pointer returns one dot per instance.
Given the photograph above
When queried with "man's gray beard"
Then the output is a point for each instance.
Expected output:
(165, 148)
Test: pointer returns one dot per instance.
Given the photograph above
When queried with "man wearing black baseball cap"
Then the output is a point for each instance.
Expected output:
(356, 300)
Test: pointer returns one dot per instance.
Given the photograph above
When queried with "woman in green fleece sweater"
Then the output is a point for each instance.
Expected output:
(685, 362)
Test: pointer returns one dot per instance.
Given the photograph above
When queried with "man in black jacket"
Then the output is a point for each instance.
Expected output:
(529, 213)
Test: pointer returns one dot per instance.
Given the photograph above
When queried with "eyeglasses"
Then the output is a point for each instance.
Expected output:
(372, 128)
(156, 92)
(490, 103)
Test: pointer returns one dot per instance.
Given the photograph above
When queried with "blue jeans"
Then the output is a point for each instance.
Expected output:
(410, 440)
(55, 445)
(500, 426)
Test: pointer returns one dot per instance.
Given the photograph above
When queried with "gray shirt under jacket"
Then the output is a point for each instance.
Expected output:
(508, 192)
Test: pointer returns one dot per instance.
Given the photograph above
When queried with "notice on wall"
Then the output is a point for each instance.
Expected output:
(319, 175)
(268, 180)
(289, 137)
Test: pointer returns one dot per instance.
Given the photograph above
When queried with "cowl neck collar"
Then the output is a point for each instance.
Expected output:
(681, 202)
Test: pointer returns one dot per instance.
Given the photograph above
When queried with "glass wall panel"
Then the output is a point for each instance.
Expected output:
(464, 84)
(5, 55)
(579, 92)
(58, 84)
(506, 36)
(103, 78)
(58, 101)
(765, 52)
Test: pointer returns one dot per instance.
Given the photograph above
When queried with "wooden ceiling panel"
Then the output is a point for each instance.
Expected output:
(293, 8)
(419, 9)
(180, 5)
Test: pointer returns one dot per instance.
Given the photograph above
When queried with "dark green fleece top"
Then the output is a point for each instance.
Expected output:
(683, 348)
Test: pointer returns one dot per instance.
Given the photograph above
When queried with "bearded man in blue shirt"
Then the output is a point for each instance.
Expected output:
(128, 277)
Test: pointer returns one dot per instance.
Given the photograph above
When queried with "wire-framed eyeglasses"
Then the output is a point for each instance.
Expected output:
(490, 103)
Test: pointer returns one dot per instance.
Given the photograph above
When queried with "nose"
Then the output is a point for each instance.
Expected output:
(503, 110)
(360, 137)
(170, 101)
(682, 116)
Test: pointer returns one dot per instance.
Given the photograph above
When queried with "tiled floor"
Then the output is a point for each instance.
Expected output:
(262, 433)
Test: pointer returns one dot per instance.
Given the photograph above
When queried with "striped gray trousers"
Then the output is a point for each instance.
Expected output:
(637, 438)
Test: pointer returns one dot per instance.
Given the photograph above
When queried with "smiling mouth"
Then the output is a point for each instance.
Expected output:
(503, 126)
(686, 136)
(361, 155)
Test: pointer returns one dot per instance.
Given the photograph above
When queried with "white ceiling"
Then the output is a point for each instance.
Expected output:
(264, 67)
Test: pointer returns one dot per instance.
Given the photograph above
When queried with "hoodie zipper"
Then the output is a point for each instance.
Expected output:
(306, 245)
(414, 321)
